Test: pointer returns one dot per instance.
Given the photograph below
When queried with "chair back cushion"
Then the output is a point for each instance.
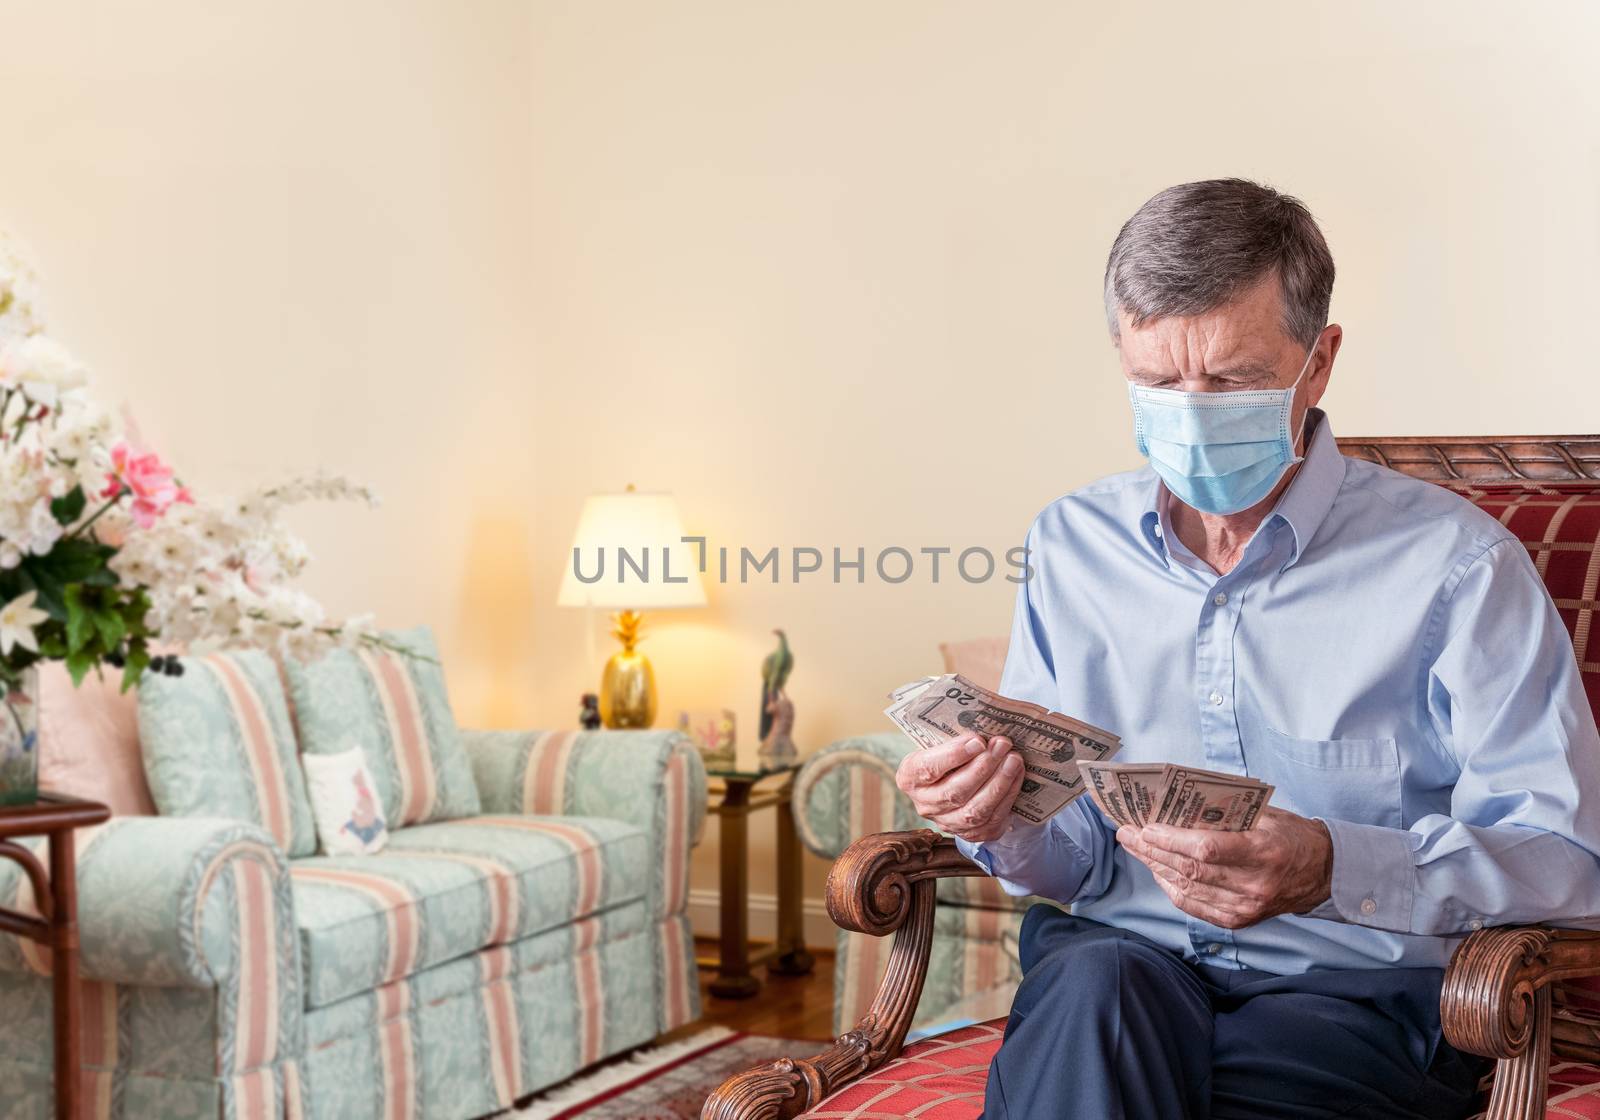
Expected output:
(1559, 524)
(218, 742)
(394, 707)
(980, 660)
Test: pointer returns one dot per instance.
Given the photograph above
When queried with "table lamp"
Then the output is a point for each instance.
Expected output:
(628, 554)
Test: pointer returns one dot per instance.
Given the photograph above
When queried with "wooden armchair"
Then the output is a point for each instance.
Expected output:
(1517, 994)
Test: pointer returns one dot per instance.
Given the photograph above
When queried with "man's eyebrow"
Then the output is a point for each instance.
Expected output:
(1245, 371)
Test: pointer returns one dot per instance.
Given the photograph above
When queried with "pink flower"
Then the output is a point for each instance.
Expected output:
(148, 479)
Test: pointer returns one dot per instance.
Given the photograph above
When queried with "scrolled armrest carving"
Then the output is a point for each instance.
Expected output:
(1489, 1002)
(869, 887)
(881, 884)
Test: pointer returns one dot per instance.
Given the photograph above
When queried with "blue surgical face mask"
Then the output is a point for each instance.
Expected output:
(1218, 452)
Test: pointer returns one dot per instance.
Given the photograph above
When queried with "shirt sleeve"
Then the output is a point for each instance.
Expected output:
(1067, 858)
(1505, 698)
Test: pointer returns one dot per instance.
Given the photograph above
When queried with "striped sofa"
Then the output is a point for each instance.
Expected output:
(471, 963)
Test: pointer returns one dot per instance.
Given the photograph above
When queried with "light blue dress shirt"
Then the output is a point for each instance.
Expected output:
(1384, 654)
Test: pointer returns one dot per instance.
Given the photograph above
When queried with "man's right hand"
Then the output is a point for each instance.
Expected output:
(965, 786)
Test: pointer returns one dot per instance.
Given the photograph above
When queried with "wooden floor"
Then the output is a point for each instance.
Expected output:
(786, 1006)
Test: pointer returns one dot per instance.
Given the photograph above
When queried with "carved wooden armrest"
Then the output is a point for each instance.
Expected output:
(1496, 1002)
(882, 884)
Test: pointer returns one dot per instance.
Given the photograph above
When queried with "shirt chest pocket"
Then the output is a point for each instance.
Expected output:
(1340, 779)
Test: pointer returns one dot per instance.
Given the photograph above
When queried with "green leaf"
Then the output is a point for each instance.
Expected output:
(80, 622)
(73, 559)
(78, 665)
(51, 591)
(134, 667)
(104, 577)
(111, 627)
(69, 508)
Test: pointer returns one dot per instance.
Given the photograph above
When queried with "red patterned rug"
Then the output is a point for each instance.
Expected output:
(666, 1083)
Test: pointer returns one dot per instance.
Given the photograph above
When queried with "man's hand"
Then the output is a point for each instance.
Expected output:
(1235, 879)
(965, 786)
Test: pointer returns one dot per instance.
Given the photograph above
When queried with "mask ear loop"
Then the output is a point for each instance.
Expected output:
(1300, 434)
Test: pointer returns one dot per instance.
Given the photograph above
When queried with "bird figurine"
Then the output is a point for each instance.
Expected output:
(775, 670)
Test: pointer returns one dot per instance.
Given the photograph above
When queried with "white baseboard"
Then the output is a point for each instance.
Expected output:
(705, 916)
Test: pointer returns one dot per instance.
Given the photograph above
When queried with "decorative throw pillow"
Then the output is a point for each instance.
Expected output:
(396, 706)
(344, 801)
(218, 742)
(89, 741)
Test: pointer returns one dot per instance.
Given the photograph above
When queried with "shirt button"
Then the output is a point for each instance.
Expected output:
(1369, 907)
(1220, 598)
(1476, 923)
(1216, 699)
(1214, 948)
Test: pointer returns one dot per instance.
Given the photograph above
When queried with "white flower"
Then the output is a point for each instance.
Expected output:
(17, 620)
(42, 367)
(18, 294)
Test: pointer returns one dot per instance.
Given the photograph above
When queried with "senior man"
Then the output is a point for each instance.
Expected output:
(1375, 647)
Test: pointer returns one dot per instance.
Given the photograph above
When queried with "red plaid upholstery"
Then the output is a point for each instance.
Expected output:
(942, 1078)
(1574, 1093)
(939, 1078)
(1559, 525)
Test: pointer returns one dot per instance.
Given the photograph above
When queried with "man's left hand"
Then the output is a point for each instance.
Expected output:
(1235, 879)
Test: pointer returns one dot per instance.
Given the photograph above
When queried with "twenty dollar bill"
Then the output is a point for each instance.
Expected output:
(935, 710)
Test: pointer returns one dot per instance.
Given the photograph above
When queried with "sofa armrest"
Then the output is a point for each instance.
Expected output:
(641, 777)
(652, 779)
(170, 902)
(846, 791)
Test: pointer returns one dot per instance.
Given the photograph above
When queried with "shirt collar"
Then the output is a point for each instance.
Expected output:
(1305, 504)
(1302, 507)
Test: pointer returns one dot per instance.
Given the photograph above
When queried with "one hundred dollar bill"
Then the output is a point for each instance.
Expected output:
(935, 710)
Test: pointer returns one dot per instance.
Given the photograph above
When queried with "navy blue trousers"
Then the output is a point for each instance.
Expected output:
(1108, 1024)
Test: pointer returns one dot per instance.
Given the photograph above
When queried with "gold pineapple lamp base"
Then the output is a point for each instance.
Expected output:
(628, 684)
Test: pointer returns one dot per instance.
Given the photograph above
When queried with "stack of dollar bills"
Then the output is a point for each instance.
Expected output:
(1138, 793)
(1062, 757)
(935, 710)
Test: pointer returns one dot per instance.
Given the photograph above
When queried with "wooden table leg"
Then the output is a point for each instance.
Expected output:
(791, 959)
(64, 971)
(734, 980)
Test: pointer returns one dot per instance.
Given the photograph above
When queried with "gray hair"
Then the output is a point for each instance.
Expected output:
(1197, 246)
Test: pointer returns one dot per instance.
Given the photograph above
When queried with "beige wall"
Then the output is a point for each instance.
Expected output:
(829, 272)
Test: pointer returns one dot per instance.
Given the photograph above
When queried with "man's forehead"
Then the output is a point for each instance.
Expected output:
(1158, 348)
(1243, 338)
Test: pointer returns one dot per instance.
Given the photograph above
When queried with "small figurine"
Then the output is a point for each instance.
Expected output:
(589, 712)
(777, 710)
(778, 747)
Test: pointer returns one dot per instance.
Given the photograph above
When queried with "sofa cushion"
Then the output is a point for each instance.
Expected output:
(441, 891)
(218, 742)
(395, 708)
(90, 737)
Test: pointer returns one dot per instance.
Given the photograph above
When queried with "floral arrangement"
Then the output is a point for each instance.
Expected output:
(103, 551)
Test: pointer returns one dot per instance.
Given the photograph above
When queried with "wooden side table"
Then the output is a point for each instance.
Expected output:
(787, 954)
(57, 897)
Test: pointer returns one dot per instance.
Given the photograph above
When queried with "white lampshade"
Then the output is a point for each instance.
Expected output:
(648, 529)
